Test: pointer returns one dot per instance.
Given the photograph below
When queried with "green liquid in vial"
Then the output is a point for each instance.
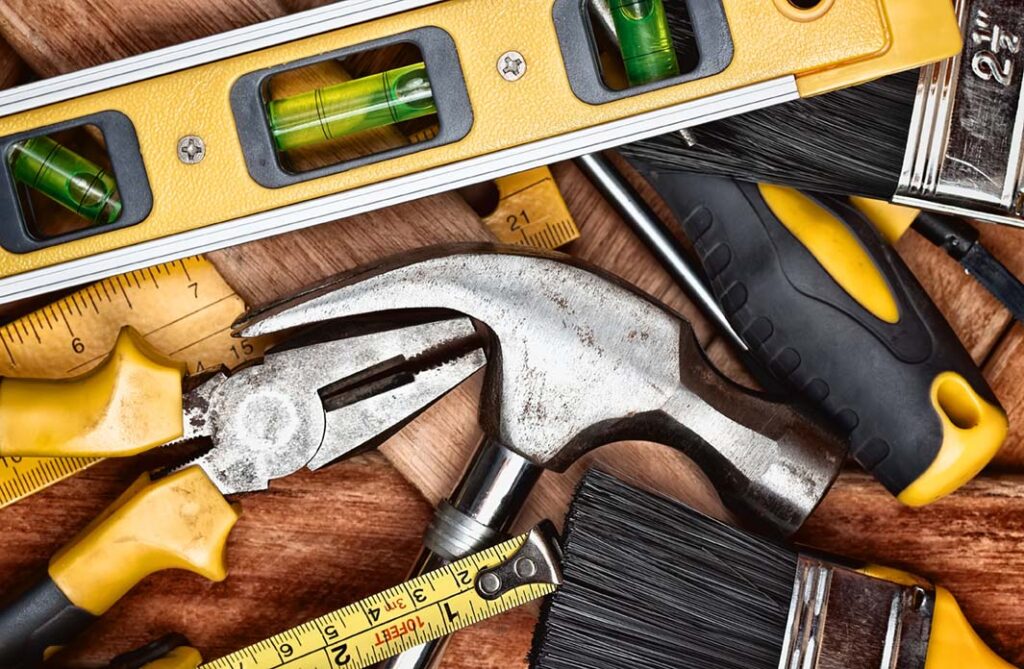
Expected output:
(67, 178)
(645, 40)
(345, 109)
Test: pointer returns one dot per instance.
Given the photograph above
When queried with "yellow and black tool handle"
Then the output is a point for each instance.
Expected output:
(833, 312)
(178, 522)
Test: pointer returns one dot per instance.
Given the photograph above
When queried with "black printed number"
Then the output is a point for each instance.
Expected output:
(340, 654)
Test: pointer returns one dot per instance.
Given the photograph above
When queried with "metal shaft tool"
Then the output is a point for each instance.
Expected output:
(326, 395)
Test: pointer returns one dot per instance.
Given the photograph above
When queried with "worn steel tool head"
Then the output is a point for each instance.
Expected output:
(324, 397)
(579, 359)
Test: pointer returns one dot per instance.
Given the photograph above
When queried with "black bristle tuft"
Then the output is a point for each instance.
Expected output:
(848, 142)
(651, 583)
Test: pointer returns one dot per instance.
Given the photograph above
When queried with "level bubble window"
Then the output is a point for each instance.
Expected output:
(610, 45)
(352, 107)
(71, 180)
(65, 181)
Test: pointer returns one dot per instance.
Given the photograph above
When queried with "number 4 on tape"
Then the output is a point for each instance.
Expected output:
(183, 309)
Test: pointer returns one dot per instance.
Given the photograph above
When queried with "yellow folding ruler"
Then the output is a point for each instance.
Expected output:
(103, 168)
(531, 211)
(183, 308)
(428, 607)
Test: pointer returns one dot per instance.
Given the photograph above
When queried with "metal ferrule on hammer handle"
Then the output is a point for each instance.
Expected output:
(753, 54)
(966, 136)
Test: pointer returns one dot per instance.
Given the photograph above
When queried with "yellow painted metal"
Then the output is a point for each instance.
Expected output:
(178, 522)
(383, 625)
(182, 309)
(531, 211)
(917, 31)
(768, 44)
(129, 404)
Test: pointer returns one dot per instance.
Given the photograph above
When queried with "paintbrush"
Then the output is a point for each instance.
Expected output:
(651, 583)
(945, 139)
(848, 142)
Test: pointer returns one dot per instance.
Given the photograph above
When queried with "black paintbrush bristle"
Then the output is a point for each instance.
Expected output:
(848, 142)
(651, 583)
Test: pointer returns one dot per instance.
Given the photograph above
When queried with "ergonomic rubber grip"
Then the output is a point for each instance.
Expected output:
(177, 522)
(831, 310)
(36, 622)
(130, 403)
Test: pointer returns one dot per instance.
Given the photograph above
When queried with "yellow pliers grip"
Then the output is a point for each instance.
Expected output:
(178, 522)
(130, 403)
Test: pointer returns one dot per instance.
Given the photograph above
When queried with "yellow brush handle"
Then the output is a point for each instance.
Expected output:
(130, 403)
(178, 522)
(892, 220)
(954, 644)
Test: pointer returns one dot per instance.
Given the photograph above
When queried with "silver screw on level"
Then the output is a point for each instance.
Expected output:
(489, 583)
(511, 66)
(191, 149)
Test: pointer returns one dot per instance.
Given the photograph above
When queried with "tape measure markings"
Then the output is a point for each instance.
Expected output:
(190, 319)
(381, 626)
(531, 211)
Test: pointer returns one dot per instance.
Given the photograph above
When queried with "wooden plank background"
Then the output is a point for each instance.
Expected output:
(318, 541)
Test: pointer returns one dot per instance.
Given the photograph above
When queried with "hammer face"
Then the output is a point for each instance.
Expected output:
(579, 359)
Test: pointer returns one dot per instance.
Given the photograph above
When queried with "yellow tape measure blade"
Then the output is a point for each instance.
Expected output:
(426, 608)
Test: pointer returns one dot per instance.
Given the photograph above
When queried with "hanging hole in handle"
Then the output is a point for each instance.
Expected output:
(804, 10)
(956, 399)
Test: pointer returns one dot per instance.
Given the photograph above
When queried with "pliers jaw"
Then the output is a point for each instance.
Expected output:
(312, 404)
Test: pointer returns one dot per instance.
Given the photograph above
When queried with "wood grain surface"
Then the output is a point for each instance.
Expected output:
(318, 541)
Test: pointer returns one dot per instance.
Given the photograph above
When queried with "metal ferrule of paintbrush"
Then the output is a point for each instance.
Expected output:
(964, 152)
(843, 617)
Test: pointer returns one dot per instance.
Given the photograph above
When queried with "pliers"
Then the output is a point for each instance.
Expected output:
(323, 395)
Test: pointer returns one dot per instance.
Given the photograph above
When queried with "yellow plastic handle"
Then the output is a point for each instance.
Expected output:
(178, 522)
(973, 431)
(836, 249)
(129, 404)
(954, 644)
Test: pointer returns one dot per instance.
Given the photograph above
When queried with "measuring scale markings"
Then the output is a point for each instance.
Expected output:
(184, 309)
(383, 625)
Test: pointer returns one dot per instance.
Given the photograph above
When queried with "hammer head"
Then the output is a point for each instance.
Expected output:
(570, 349)
(578, 359)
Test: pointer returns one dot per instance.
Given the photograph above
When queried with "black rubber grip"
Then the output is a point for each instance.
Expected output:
(38, 618)
(871, 377)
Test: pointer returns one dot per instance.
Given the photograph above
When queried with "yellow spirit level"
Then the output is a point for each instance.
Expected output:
(202, 148)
